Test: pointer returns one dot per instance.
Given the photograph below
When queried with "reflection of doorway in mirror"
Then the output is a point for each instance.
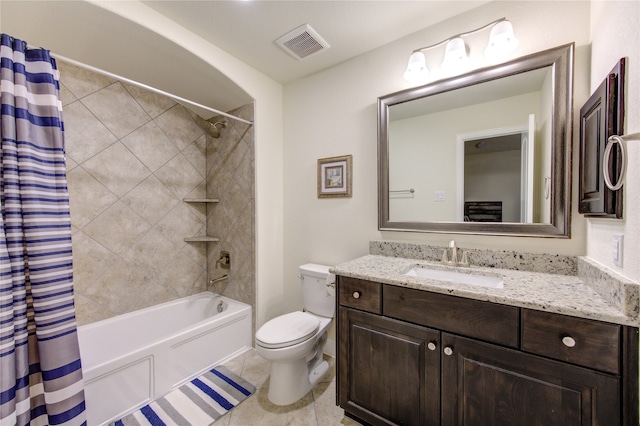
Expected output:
(495, 179)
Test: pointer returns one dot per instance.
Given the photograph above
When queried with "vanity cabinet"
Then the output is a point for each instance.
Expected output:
(391, 370)
(483, 384)
(414, 357)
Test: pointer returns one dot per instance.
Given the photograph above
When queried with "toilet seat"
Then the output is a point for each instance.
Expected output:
(287, 330)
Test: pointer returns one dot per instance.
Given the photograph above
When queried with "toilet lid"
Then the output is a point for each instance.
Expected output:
(287, 330)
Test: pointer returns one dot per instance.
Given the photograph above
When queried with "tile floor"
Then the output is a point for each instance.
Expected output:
(317, 408)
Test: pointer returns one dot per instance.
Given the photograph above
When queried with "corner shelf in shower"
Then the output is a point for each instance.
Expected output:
(200, 200)
(201, 238)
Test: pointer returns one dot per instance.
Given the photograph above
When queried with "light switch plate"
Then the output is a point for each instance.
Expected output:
(618, 244)
(438, 196)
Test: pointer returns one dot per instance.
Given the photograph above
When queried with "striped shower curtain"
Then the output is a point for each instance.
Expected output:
(40, 373)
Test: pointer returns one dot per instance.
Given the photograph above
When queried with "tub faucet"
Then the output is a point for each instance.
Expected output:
(454, 256)
(217, 280)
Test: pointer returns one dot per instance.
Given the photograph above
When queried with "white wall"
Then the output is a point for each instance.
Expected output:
(334, 113)
(495, 176)
(615, 34)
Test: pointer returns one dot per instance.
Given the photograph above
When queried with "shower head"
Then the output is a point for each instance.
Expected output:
(212, 129)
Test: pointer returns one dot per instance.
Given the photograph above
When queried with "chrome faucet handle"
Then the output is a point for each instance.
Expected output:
(224, 260)
(454, 252)
(465, 259)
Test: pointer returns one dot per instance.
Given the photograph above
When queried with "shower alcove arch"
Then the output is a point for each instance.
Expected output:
(130, 39)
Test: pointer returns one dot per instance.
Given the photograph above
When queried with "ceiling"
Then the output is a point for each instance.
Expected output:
(248, 29)
(85, 32)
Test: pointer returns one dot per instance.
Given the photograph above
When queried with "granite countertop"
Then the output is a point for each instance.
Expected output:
(557, 293)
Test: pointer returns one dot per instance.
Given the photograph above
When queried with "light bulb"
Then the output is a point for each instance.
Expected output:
(455, 55)
(417, 67)
(502, 41)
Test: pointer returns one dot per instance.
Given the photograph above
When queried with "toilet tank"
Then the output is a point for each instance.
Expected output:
(318, 298)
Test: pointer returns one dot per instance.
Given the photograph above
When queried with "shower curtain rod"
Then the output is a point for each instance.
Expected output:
(144, 86)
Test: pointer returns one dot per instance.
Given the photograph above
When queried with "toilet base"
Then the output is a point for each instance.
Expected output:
(290, 381)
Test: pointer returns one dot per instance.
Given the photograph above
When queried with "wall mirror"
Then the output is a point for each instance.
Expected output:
(487, 152)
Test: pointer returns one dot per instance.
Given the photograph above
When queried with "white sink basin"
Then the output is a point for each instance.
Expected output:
(456, 277)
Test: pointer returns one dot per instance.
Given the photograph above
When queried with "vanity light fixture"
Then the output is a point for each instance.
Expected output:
(455, 55)
(501, 42)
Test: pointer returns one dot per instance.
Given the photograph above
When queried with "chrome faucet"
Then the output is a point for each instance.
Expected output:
(454, 256)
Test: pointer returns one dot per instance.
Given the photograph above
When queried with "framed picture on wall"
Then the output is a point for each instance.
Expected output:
(334, 177)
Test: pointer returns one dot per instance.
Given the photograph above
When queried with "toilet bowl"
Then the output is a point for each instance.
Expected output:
(294, 342)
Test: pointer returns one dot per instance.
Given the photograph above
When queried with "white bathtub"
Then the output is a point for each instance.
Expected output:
(132, 359)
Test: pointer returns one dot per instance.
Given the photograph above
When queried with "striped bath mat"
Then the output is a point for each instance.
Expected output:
(200, 402)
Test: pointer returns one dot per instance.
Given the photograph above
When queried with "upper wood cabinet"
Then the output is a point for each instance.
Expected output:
(600, 117)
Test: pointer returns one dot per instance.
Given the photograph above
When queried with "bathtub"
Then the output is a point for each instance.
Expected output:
(132, 359)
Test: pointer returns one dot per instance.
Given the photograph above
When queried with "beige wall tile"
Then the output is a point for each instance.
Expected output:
(70, 164)
(151, 199)
(88, 310)
(183, 275)
(196, 153)
(90, 261)
(118, 289)
(156, 293)
(153, 103)
(179, 126)
(84, 134)
(117, 109)
(117, 169)
(88, 198)
(82, 82)
(150, 252)
(117, 228)
(66, 96)
(150, 144)
(198, 253)
(179, 176)
(179, 223)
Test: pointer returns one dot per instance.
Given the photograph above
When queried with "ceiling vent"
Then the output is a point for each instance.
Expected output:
(302, 42)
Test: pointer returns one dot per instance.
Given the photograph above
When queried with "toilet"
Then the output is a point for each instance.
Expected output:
(294, 342)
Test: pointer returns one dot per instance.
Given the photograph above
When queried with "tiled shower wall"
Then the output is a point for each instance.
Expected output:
(230, 178)
(132, 156)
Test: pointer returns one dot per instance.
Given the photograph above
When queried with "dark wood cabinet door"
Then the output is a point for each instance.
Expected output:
(601, 116)
(483, 384)
(389, 370)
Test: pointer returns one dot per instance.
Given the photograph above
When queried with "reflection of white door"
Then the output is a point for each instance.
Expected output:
(526, 186)
(526, 157)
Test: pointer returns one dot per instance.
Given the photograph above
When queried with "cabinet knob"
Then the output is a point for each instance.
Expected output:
(448, 350)
(431, 346)
(356, 295)
(569, 341)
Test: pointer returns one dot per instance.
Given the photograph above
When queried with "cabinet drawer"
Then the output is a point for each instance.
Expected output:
(472, 318)
(360, 294)
(579, 341)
